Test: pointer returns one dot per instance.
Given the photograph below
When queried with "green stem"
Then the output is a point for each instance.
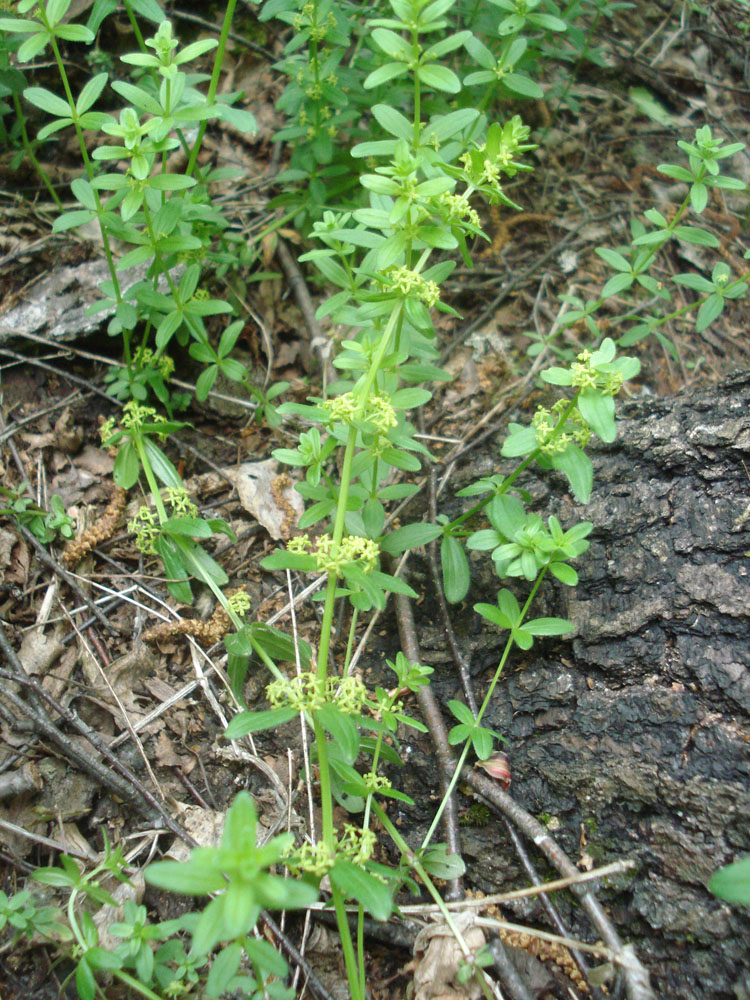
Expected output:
(416, 864)
(214, 84)
(161, 510)
(464, 752)
(509, 480)
(29, 149)
(135, 984)
(84, 155)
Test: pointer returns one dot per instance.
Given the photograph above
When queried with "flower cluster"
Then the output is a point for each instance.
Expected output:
(144, 358)
(355, 845)
(486, 161)
(376, 782)
(134, 416)
(107, 430)
(376, 416)
(180, 502)
(145, 528)
(408, 282)
(306, 692)
(239, 603)
(549, 440)
(311, 859)
(333, 558)
(458, 209)
(586, 376)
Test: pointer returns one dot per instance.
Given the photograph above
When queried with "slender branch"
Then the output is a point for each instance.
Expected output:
(507, 971)
(431, 712)
(121, 780)
(636, 976)
(547, 903)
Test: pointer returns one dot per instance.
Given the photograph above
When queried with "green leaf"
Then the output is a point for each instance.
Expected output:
(149, 9)
(47, 101)
(438, 862)
(408, 399)
(698, 197)
(257, 722)
(456, 574)
(127, 466)
(548, 626)
(522, 638)
(380, 76)
(75, 33)
(439, 78)
(697, 237)
(357, 884)
(18, 25)
(481, 740)
(678, 173)
(394, 584)
(462, 712)
(85, 981)
(223, 969)
(171, 556)
(163, 469)
(520, 442)
(69, 220)
(576, 465)
(695, 281)
(598, 411)
(519, 83)
(33, 46)
(393, 121)
(648, 105)
(90, 93)
(401, 459)
(564, 573)
(395, 46)
(411, 536)
(708, 312)
(343, 730)
(53, 876)
(732, 882)
(139, 98)
(617, 283)
(171, 182)
(191, 527)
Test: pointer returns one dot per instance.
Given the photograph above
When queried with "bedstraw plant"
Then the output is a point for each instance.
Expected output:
(386, 241)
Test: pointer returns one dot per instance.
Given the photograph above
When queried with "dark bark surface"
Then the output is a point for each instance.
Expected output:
(633, 739)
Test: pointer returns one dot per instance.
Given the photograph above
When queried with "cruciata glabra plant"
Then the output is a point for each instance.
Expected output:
(421, 186)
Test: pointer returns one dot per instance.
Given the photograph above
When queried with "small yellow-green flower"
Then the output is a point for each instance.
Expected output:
(145, 528)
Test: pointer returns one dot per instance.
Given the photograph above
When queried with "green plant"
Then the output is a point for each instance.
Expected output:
(409, 206)
(152, 959)
(338, 64)
(170, 534)
(167, 218)
(44, 525)
(632, 264)
(21, 917)
(380, 259)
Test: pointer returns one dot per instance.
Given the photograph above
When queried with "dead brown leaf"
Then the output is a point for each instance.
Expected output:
(439, 957)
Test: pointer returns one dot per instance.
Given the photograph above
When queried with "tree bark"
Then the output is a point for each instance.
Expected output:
(633, 738)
